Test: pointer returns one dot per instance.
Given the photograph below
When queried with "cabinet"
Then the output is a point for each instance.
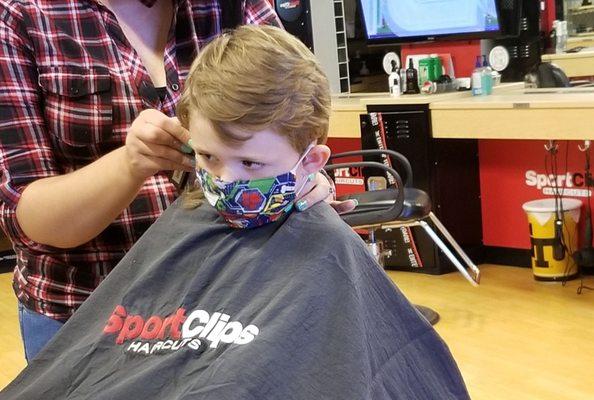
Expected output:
(447, 170)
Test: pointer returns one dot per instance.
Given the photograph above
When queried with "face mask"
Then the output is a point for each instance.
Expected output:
(255, 202)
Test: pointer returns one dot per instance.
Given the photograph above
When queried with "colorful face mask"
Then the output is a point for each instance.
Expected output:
(251, 203)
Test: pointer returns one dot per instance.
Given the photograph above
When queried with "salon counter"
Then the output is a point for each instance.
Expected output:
(580, 40)
(565, 113)
(344, 119)
(511, 112)
(574, 64)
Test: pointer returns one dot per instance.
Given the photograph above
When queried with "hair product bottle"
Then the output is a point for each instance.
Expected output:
(412, 79)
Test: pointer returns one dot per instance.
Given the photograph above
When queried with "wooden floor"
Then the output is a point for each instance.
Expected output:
(513, 338)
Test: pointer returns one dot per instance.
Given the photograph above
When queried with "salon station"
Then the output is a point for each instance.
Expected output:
(494, 119)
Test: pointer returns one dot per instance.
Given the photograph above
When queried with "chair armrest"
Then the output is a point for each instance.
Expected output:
(394, 156)
(396, 195)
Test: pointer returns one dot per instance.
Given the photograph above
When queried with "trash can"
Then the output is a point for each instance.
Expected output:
(553, 240)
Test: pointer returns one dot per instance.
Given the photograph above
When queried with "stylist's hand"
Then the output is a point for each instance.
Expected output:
(324, 190)
(154, 143)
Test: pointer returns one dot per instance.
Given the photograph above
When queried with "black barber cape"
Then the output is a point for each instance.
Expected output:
(198, 310)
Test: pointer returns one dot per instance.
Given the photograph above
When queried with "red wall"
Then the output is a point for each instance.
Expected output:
(508, 173)
(347, 181)
(463, 53)
(503, 168)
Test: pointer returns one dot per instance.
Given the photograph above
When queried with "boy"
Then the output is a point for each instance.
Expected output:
(295, 309)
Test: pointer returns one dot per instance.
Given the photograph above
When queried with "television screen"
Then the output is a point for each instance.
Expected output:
(397, 21)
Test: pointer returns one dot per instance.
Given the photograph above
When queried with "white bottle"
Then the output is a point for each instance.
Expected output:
(560, 28)
(394, 83)
(402, 80)
(563, 39)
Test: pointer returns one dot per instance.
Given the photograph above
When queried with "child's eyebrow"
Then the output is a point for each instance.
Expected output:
(244, 157)
(199, 150)
(252, 157)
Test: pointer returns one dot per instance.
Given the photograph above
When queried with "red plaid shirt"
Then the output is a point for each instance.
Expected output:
(70, 86)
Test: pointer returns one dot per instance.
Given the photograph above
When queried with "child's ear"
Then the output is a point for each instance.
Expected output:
(316, 158)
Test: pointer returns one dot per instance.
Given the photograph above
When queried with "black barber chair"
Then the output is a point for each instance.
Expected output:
(397, 206)
(546, 75)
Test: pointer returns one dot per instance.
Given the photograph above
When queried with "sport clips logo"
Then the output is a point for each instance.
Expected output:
(176, 331)
(567, 184)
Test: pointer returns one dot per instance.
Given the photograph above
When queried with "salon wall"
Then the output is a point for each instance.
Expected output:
(513, 172)
(463, 53)
(351, 180)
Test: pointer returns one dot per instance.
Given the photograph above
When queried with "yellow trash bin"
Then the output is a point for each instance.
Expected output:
(553, 241)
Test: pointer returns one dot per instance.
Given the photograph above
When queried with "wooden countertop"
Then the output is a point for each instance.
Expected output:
(586, 53)
(512, 112)
(346, 109)
(524, 98)
(355, 101)
(344, 120)
(344, 117)
(517, 114)
(573, 64)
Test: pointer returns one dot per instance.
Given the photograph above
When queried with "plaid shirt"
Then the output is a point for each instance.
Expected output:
(70, 86)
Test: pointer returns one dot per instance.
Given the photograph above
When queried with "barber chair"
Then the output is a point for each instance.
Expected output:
(546, 75)
(399, 205)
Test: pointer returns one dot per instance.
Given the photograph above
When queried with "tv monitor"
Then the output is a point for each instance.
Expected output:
(402, 21)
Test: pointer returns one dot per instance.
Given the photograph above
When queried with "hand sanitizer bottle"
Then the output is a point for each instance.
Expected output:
(477, 78)
(487, 77)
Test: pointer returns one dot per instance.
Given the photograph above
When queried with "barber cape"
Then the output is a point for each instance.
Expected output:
(296, 309)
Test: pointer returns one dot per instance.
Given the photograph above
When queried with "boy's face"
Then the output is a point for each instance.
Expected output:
(263, 155)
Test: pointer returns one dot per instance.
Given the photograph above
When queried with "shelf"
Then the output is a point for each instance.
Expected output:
(581, 10)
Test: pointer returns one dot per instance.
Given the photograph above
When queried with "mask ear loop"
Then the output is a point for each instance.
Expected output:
(305, 153)
(311, 176)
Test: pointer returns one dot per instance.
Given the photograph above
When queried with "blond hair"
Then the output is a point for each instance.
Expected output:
(256, 78)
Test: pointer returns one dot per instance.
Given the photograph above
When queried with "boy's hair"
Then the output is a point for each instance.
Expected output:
(256, 78)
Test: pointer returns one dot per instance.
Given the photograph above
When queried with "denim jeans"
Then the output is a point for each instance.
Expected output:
(36, 330)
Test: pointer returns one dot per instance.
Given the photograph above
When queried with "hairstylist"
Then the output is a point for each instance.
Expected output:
(88, 138)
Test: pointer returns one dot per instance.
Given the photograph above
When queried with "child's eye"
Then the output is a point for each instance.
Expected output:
(205, 156)
(252, 164)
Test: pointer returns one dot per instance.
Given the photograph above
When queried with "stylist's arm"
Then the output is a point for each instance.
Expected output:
(68, 210)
